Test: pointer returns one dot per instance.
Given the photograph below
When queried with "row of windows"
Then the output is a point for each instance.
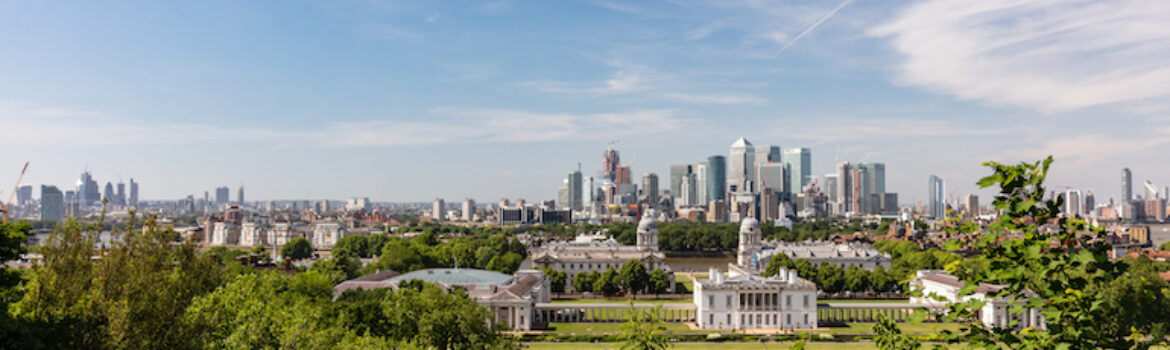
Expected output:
(787, 300)
(590, 267)
(763, 320)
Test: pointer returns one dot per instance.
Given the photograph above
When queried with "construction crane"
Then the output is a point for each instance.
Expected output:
(4, 207)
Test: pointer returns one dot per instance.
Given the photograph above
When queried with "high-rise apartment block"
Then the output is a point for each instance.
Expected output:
(937, 205)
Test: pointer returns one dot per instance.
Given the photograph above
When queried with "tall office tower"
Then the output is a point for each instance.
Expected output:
(24, 195)
(120, 194)
(240, 198)
(71, 206)
(972, 206)
(52, 204)
(109, 193)
(1090, 202)
(1151, 191)
(937, 203)
(87, 190)
(741, 166)
(845, 187)
(562, 201)
(222, 195)
(134, 193)
(687, 197)
(831, 189)
(622, 177)
(1126, 186)
(764, 154)
(861, 204)
(588, 192)
(678, 174)
(716, 178)
(876, 176)
(610, 164)
(469, 209)
(438, 209)
(650, 189)
(575, 192)
(771, 176)
(699, 170)
(1073, 203)
(799, 161)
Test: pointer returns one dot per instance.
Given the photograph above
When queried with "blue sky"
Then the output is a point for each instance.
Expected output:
(407, 101)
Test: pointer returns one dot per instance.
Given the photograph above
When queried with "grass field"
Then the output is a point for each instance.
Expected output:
(876, 301)
(685, 278)
(599, 329)
(697, 346)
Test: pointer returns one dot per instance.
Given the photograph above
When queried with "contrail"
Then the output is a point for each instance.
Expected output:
(813, 26)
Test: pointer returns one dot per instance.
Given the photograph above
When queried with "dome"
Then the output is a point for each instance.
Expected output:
(749, 224)
(647, 223)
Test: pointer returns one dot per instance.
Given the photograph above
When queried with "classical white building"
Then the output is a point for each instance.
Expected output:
(742, 298)
(511, 299)
(279, 233)
(995, 313)
(225, 233)
(253, 234)
(862, 255)
(587, 253)
(327, 234)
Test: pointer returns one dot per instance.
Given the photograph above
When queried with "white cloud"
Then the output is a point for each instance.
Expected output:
(722, 99)
(1044, 54)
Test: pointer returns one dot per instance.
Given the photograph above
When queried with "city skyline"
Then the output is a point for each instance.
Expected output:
(386, 100)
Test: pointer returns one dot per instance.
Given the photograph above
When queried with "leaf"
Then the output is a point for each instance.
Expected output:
(917, 316)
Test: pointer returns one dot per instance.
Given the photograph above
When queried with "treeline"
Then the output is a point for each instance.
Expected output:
(632, 278)
(145, 292)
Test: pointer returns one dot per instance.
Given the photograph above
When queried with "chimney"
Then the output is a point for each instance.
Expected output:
(711, 273)
(792, 276)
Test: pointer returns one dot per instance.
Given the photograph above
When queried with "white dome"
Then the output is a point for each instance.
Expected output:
(647, 224)
(749, 224)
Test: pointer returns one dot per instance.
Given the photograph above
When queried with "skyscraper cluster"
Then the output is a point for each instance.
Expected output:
(55, 204)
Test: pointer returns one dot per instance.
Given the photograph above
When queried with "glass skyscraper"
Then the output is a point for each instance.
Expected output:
(799, 162)
(716, 178)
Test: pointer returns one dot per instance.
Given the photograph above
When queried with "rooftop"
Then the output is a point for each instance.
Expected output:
(451, 276)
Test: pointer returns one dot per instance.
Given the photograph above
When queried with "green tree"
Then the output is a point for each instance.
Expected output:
(1165, 246)
(296, 249)
(506, 264)
(1047, 262)
(606, 283)
(830, 278)
(778, 261)
(880, 280)
(401, 256)
(375, 242)
(644, 330)
(357, 246)
(418, 313)
(659, 282)
(632, 276)
(583, 282)
(889, 337)
(556, 280)
(12, 238)
(338, 268)
(856, 279)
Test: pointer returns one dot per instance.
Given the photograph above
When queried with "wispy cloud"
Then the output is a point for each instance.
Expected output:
(633, 79)
(1048, 55)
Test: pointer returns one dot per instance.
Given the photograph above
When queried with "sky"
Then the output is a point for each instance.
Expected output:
(409, 101)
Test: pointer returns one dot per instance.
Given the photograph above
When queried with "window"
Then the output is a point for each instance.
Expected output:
(788, 300)
(711, 318)
(805, 318)
(789, 320)
(711, 301)
(742, 320)
(805, 301)
(728, 318)
(758, 320)
(729, 303)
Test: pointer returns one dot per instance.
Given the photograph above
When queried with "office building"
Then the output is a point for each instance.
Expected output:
(87, 191)
(716, 178)
(799, 162)
(1126, 185)
(1073, 203)
(468, 209)
(574, 187)
(686, 196)
(438, 209)
(845, 188)
(240, 197)
(610, 164)
(650, 189)
(771, 177)
(678, 174)
(109, 193)
(623, 175)
(741, 166)
(133, 202)
(1090, 202)
(831, 190)
(937, 204)
(1151, 191)
(52, 204)
(699, 171)
(222, 195)
(588, 191)
(971, 208)
(24, 195)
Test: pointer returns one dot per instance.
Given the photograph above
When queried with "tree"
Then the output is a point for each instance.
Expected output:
(399, 255)
(1045, 262)
(659, 282)
(583, 282)
(12, 238)
(889, 337)
(506, 264)
(633, 276)
(296, 249)
(880, 280)
(856, 279)
(419, 313)
(357, 246)
(1165, 246)
(778, 261)
(830, 278)
(556, 280)
(375, 242)
(606, 283)
(644, 330)
(338, 268)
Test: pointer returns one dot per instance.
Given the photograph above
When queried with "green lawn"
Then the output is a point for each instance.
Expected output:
(923, 328)
(613, 328)
(696, 346)
(620, 300)
(876, 301)
(685, 278)
(598, 329)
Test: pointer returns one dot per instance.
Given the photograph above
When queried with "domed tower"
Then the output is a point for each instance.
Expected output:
(647, 233)
(750, 238)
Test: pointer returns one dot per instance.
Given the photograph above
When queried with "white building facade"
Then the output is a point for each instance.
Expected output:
(742, 299)
(995, 313)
